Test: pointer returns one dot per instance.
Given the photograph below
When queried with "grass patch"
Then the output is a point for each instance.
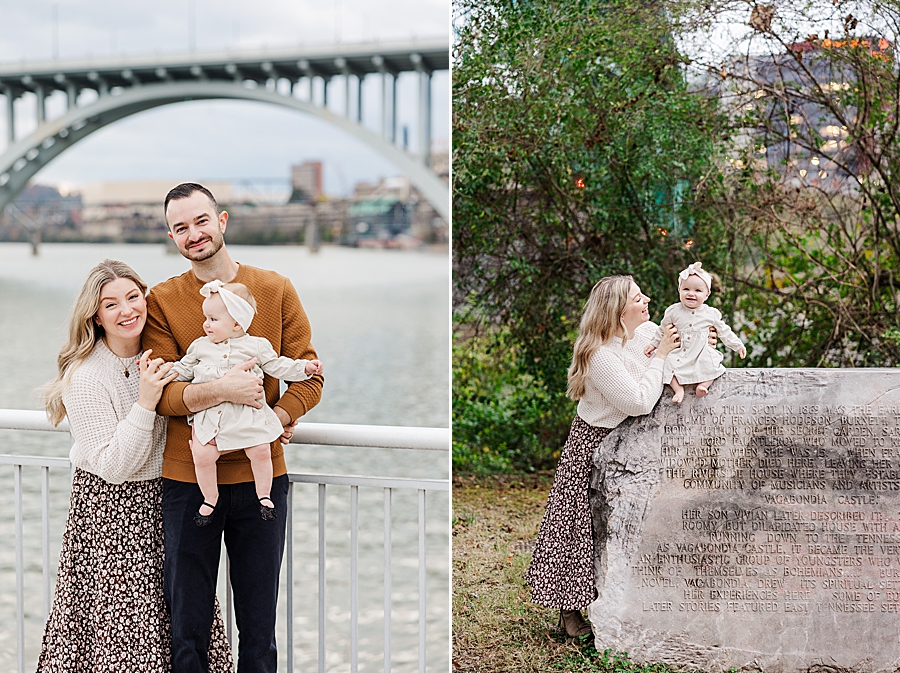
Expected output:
(496, 627)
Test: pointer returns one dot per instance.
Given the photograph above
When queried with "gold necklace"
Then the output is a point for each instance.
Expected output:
(125, 362)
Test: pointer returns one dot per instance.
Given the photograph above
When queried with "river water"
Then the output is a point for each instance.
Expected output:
(380, 321)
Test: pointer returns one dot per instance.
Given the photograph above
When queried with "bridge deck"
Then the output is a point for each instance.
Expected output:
(260, 65)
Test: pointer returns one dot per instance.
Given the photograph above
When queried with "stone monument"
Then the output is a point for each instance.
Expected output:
(757, 528)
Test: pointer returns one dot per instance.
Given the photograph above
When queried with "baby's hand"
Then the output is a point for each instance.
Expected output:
(649, 349)
(742, 353)
(314, 367)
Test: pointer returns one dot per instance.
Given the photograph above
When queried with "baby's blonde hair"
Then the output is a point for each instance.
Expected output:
(241, 291)
(601, 318)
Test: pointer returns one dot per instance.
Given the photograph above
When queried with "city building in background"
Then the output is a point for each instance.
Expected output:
(796, 106)
(306, 182)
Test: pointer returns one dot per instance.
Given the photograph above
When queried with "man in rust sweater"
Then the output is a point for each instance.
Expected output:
(255, 546)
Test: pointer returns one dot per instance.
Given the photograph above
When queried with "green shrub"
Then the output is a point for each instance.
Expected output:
(504, 419)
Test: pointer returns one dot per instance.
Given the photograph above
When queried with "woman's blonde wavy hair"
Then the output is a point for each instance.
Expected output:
(84, 332)
(601, 318)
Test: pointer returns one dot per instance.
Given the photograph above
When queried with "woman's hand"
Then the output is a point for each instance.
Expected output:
(670, 341)
(713, 337)
(155, 375)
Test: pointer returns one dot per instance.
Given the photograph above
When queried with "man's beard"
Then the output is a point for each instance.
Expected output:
(217, 243)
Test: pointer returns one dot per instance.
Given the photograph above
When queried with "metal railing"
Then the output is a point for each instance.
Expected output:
(432, 439)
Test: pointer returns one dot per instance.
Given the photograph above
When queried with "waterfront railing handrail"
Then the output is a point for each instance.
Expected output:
(324, 434)
(327, 434)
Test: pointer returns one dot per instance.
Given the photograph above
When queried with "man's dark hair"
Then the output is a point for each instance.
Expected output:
(184, 190)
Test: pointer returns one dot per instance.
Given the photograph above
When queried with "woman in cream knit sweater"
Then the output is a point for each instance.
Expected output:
(612, 379)
(108, 609)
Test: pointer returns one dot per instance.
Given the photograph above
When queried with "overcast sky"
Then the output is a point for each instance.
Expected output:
(220, 140)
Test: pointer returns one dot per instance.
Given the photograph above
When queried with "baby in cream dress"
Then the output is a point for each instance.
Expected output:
(229, 308)
(695, 361)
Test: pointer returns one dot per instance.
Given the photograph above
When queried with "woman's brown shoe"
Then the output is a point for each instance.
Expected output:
(573, 623)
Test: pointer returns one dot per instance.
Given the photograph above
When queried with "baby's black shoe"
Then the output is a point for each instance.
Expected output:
(265, 511)
(204, 519)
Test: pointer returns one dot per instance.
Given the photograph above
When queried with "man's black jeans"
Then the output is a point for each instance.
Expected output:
(255, 548)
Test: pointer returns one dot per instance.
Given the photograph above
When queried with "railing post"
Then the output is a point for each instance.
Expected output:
(45, 537)
(387, 580)
(20, 567)
(321, 578)
(354, 579)
(421, 581)
(289, 577)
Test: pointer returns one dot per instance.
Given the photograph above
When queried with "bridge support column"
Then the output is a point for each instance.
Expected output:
(41, 111)
(394, 109)
(10, 115)
(341, 63)
(307, 75)
(71, 95)
(385, 108)
(347, 95)
(425, 116)
(388, 100)
(359, 101)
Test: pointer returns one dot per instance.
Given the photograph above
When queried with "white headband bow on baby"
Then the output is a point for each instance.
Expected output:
(695, 270)
(239, 308)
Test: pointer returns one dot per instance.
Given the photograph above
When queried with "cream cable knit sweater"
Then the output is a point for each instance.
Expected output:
(115, 437)
(623, 381)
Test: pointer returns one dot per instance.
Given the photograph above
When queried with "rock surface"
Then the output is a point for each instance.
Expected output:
(757, 528)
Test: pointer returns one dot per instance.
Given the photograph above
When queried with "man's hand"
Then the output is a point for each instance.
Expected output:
(241, 387)
(287, 423)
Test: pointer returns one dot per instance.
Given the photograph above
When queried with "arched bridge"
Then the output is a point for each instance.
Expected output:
(124, 87)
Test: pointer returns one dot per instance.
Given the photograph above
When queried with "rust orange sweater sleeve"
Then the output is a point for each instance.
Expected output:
(300, 396)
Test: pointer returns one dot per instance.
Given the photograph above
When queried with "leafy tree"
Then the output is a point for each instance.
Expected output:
(811, 203)
(576, 143)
